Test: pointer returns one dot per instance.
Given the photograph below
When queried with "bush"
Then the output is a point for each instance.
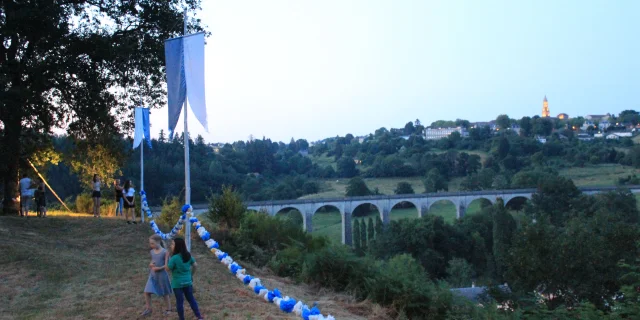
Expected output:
(170, 212)
(226, 208)
(84, 203)
(403, 284)
(337, 267)
(262, 239)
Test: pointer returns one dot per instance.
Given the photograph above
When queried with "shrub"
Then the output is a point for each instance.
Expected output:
(337, 267)
(170, 213)
(226, 208)
(84, 203)
(403, 284)
(261, 238)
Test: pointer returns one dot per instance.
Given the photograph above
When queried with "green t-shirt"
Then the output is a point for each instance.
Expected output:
(180, 271)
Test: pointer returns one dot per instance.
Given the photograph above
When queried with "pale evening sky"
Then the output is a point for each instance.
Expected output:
(316, 69)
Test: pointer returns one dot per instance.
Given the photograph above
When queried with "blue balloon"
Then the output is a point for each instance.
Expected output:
(235, 267)
(185, 208)
(142, 192)
(257, 289)
(192, 220)
(206, 236)
(287, 305)
(184, 216)
(246, 279)
(222, 256)
(273, 294)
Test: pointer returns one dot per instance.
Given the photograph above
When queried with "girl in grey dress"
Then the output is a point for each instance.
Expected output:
(158, 282)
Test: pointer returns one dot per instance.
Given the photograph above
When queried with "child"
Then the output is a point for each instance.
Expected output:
(180, 264)
(41, 200)
(158, 282)
(129, 202)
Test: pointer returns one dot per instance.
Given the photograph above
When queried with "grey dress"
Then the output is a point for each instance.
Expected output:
(158, 282)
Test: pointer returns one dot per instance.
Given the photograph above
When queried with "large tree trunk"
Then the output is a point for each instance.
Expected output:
(12, 151)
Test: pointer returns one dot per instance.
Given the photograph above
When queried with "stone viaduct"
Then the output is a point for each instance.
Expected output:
(384, 204)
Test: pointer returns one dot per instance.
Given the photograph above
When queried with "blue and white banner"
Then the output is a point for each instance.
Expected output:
(184, 59)
(142, 127)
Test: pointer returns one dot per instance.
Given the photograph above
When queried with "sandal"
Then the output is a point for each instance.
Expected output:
(146, 312)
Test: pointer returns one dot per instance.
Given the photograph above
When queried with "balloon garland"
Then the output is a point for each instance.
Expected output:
(154, 226)
(286, 303)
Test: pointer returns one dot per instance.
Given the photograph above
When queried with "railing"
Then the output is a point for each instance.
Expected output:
(201, 206)
(421, 195)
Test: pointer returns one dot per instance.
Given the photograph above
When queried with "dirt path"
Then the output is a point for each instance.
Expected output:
(85, 268)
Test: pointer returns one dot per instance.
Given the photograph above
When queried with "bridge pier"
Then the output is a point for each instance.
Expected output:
(386, 215)
(423, 209)
(461, 211)
(346, 228)
(307, 219)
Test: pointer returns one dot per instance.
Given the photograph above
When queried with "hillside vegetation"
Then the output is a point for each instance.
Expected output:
(76, 267)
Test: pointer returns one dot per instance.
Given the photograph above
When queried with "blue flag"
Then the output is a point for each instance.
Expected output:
(184, 59)
(142, 127)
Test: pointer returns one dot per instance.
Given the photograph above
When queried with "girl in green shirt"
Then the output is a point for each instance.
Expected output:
(182, 266)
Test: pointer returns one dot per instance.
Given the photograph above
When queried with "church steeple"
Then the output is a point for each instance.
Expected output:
(545, 107)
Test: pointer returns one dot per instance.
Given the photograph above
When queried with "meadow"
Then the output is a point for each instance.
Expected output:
(73, 266)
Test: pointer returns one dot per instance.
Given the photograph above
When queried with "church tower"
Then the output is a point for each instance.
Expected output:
(545, 107)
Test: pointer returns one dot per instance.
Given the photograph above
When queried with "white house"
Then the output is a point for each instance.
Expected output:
(439, 133)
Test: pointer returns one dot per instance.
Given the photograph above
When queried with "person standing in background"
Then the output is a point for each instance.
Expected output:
(96, 196)
(25, 195)
(129, 202)
(119, 196)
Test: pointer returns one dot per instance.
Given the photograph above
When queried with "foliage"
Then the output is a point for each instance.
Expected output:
(96, 159)
(170, 212)
(75, 65)
(363, 234)
(227, 208)
(370, 230)
(460, 273)
(403, 188)
(403, 284)
(357, 240)
(435, 182)
(357, 188)
(346, 168)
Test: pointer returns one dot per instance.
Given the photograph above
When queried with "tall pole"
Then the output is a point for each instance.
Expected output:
(187, 175)
(141, 177)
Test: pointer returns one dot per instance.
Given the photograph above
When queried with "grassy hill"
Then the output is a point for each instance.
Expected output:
(77, 267)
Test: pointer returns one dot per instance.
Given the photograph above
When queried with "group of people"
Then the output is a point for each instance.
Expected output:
(182, 266)
(125, 198)
(27, 193)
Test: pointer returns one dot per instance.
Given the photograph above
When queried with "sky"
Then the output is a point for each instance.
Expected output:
(315, 69)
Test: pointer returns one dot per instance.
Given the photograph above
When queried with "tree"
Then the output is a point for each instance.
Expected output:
(460, 273)
(526, 126)
(363, 235)
(357, 240)
(370, 229)
(503, 122)
(75, 65)
(409, 128)
(227, 208)
(379, 225)
(347, 168)
(357, 188)
(504, 227)
(404, 188)
(435, 182)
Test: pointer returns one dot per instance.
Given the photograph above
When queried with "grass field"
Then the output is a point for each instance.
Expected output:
(600, 175)
(77, 267)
